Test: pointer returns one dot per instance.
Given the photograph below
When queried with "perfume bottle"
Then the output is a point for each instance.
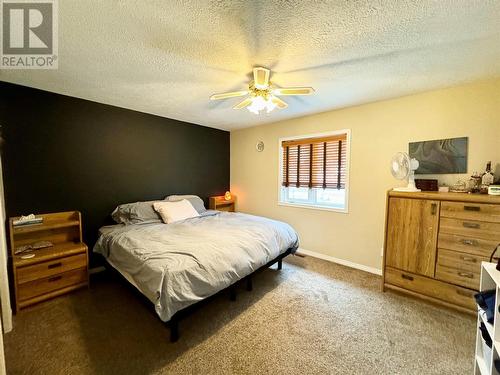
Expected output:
(487, 178)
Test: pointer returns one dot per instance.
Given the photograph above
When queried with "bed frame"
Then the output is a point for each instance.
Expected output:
(173, 323)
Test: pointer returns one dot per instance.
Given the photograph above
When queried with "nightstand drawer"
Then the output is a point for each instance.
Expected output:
(50, 268)
(226, 207)
(38, 287)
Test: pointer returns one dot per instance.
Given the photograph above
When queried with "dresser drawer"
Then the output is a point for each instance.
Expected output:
(471, 211)
(468, 279)
(430, 287)
(469, 245)
(460, 261)
(38, 287)
(53, 267)
(470, 228)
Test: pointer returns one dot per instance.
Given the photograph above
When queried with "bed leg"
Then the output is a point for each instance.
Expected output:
(232, 293)
(174, 329)
(249, 283)
(280, 263)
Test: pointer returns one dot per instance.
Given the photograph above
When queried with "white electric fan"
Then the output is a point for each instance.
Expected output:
(402, 167)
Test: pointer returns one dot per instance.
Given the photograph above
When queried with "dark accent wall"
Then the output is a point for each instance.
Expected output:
(62, 153)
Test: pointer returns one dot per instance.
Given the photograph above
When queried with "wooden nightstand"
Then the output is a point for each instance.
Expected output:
(221, 204)
(53, 270)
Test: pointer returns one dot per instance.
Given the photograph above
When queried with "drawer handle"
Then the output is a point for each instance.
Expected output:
(463, 293)
(469, 242)
(466, 274)
(54, 265)
(472, 208)
(407, 277)
(468, 259)
(55, 278)
(471, 225)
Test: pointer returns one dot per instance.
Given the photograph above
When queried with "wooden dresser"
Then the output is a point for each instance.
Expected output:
(435, 243)
(53, 270)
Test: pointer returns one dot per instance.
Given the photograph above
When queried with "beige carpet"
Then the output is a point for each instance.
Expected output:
(313, 317)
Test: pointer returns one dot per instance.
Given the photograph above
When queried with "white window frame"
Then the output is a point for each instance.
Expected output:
(344, 210)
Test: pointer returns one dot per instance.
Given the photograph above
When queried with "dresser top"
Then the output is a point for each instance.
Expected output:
(456, 197)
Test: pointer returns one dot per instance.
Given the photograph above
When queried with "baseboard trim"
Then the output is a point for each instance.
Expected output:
(343, 262)
(7, 321)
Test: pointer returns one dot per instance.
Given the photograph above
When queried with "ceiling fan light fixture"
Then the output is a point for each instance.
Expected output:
(262, 95)
(270, 105)
(259, 103)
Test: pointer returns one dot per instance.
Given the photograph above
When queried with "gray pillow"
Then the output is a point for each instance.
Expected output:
(195, 201)
(136, 213)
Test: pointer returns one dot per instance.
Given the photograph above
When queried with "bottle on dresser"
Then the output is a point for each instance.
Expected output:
(487, 179)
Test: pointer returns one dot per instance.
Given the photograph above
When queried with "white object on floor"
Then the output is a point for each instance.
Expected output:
(490, 279)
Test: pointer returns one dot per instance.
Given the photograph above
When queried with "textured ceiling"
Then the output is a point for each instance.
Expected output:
(168, 57)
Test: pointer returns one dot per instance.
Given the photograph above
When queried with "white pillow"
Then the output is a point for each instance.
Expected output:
(173, 198)
(175, 211)
(195, 200)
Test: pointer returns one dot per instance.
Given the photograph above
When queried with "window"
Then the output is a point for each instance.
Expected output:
(314, 170)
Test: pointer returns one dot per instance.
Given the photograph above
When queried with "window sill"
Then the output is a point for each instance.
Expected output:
(313, 207)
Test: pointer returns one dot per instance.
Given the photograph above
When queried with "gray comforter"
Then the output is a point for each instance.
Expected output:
(178, 264)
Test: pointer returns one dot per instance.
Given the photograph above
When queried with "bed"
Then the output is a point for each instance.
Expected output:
(180, 264)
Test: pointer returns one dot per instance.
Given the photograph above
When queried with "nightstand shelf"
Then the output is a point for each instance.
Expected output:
(54, 224)
(54, 270)
(221, 204)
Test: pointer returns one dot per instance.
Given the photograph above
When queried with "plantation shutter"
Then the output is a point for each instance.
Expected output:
(315, 162)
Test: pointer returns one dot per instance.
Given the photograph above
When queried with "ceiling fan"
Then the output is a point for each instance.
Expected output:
(262, 93)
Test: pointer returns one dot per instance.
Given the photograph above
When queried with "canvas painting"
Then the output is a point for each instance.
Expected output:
(440, 156)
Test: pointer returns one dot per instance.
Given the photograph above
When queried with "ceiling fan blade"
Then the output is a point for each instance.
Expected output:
(294, 91)
(243, 104)
(226, 95)
(279, 103)
(261, 78)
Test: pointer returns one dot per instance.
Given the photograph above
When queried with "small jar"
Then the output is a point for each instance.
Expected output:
(474, 184)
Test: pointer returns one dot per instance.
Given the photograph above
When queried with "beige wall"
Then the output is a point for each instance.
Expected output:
(379, 130)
